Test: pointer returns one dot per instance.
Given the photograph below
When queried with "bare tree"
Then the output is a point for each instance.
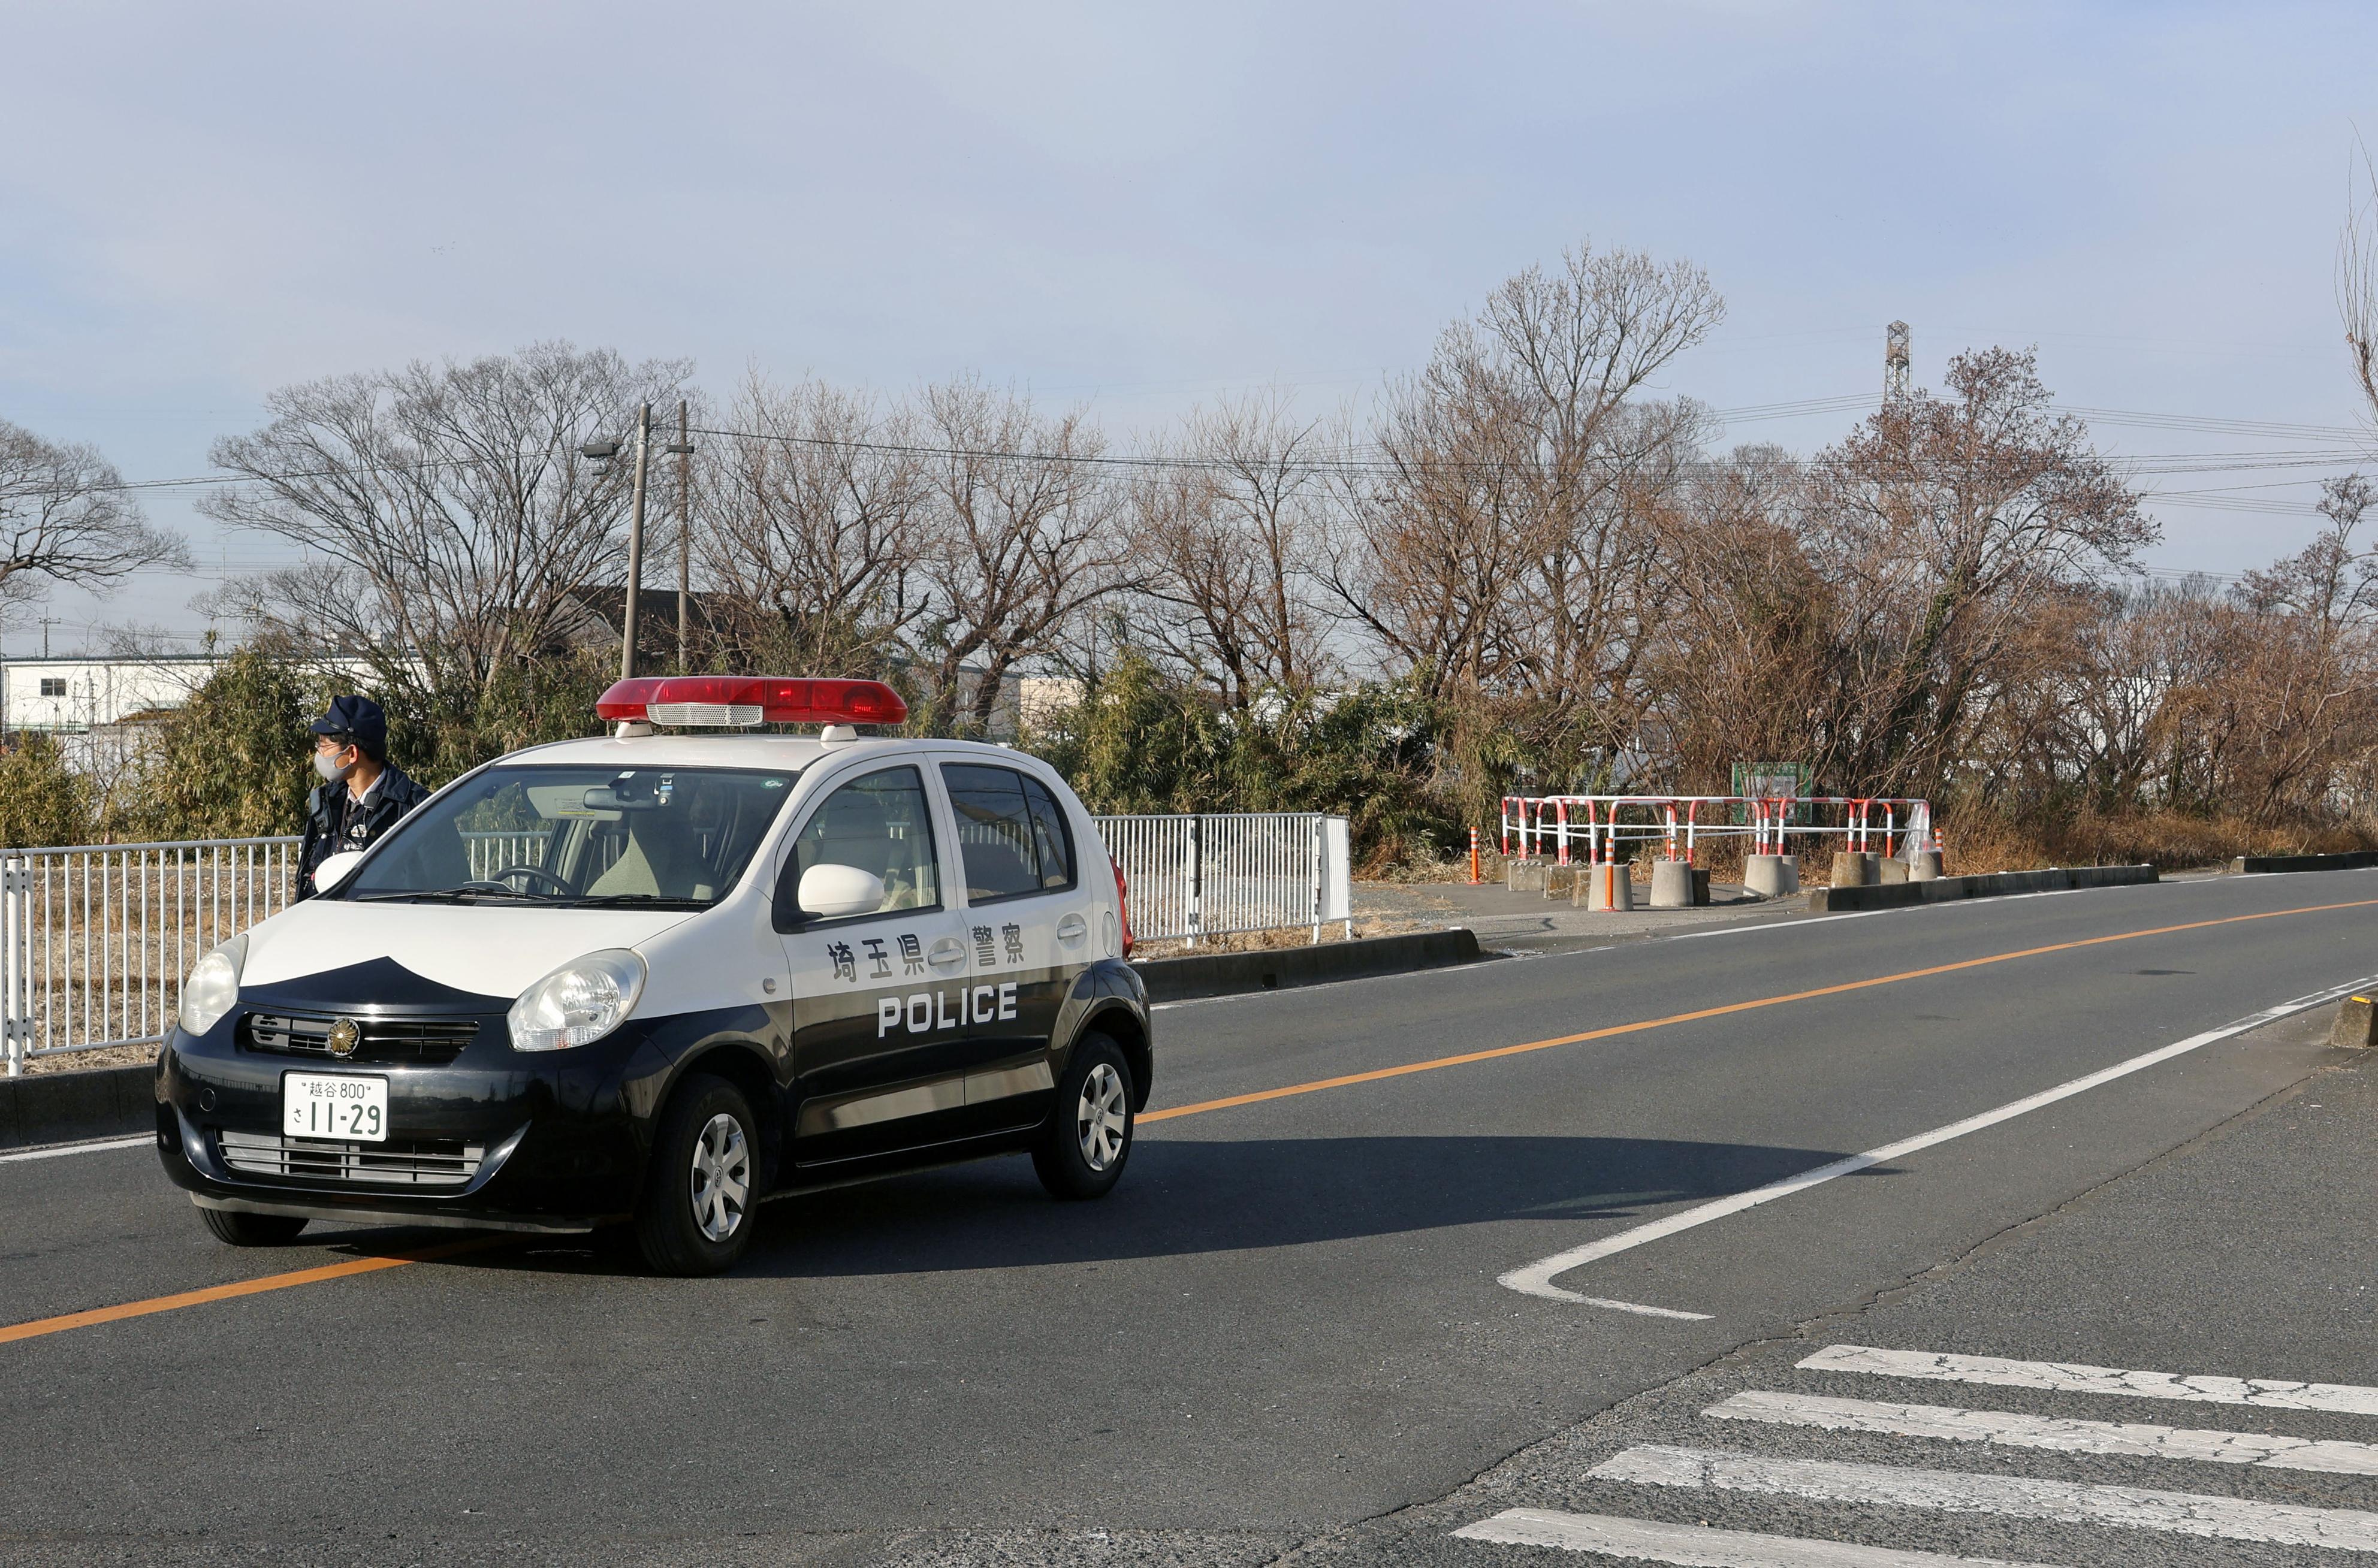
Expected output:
(2329, 581)
(1023, 537)
(66, 516)
(2357, 277)
(1230, 532)
(1505, 546)
(1950, 525)
(447, 513)
(812, 514)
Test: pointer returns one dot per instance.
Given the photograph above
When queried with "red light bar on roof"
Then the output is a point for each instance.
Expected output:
(750, 700)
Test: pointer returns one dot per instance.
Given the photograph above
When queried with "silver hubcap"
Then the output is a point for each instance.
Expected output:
(1102, 1119)
(722, 1177)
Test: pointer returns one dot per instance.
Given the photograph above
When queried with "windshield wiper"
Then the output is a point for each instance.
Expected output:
(643, 900)
(447, 895)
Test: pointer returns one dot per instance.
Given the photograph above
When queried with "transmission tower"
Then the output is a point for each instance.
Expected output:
(1894, 362)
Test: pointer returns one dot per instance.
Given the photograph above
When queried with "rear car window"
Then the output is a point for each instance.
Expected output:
(1012, 836)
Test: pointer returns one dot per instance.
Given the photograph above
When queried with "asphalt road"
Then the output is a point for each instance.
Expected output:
(1284, 1333)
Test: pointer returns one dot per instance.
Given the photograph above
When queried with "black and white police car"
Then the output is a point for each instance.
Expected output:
(649, 978)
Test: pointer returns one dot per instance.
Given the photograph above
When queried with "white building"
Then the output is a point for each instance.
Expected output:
(77, 695)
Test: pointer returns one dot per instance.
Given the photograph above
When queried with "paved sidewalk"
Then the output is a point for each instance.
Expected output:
(1532, 922)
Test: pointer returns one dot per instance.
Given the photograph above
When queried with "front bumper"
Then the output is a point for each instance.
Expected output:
(490, 1139)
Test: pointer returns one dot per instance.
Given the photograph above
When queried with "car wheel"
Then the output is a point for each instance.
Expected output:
(252, 1230)
(696, 1213)
(1082, 1150)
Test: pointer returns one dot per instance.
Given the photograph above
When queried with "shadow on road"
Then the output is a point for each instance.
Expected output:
(1184, 1196)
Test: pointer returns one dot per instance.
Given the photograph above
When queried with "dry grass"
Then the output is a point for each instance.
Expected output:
(2169, 840)
(107, 1055)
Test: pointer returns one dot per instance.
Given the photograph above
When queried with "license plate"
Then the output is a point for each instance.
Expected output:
(334, 1105)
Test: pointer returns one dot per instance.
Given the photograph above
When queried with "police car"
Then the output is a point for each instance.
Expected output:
(649, 978)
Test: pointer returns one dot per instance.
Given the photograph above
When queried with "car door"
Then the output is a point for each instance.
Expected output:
(881, 1038)
(1026, 931)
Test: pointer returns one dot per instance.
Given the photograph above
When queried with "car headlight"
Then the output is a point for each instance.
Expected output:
(582, 1001)
(212, 986)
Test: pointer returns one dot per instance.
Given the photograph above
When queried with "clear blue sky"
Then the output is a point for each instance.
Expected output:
(1135, 207)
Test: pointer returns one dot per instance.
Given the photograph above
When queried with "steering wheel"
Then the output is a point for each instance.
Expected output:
(533, 872)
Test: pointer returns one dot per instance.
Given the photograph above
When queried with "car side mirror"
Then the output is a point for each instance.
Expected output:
(829, 891)
(336, 868)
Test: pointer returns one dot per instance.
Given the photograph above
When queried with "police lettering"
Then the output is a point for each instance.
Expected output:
(922, 1012)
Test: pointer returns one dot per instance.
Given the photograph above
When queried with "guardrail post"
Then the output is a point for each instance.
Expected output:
(15, 960)
(1196, 869)
(1320, 867)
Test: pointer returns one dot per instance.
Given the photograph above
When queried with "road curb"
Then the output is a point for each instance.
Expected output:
(2263, 865)
(1944, 889)
(1284, 968)
(61, 1107)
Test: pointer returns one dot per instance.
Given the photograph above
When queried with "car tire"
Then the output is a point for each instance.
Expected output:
(1081, 1151)
(701, 1197)
(252, 1230)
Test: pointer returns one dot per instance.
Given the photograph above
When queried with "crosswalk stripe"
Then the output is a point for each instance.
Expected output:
(2008, 1429)
(1695, 1545)
(2064, 1502)
(2334, 1398)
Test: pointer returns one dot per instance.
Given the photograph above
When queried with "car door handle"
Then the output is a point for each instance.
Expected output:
(947, 953)
(1071, 929)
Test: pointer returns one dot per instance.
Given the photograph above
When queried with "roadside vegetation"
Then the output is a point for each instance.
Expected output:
(1521, 572)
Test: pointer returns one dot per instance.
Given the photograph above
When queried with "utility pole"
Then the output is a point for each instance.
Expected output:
(635, 543)
(1894, 363)
(684, 450)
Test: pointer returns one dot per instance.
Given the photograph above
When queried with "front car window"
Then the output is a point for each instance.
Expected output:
(579, 835)
(1010, 832)
(883, 825)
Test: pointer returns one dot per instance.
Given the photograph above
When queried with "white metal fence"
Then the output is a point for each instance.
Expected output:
(1193, 877)
(95, 939)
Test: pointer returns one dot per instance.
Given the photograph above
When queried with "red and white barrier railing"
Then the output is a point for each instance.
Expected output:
(1566, 828)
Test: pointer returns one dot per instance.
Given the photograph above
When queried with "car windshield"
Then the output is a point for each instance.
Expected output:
(583, 837)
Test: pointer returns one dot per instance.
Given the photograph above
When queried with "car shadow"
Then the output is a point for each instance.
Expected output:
(1186, 1196)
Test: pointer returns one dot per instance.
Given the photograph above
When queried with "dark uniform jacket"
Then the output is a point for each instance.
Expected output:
(335, 823)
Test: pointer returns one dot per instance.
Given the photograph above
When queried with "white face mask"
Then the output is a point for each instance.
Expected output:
(330, 770)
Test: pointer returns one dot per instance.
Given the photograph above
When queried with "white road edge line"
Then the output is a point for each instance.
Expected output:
(2013, 1497)
(2007, 1428)
(2273, 1394)
(1536, 1278)
(1697, 1546)
(60, 1150)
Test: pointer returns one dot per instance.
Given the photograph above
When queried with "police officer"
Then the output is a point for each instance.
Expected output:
(361, 795)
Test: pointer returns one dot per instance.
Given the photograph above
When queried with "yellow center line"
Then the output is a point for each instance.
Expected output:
(1432, 1065)
(257, 1287)
(40, 1326)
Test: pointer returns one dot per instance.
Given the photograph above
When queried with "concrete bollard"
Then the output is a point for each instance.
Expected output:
(1608, 887)
(1849, 869)
(1893, 868)
(1924, 866)
(1772, 875)
(1523, 876)
(1672, 884)
(2357, 1024)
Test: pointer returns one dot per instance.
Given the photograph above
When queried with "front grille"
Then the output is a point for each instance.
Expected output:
(418, 1162)
(431, 1040)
